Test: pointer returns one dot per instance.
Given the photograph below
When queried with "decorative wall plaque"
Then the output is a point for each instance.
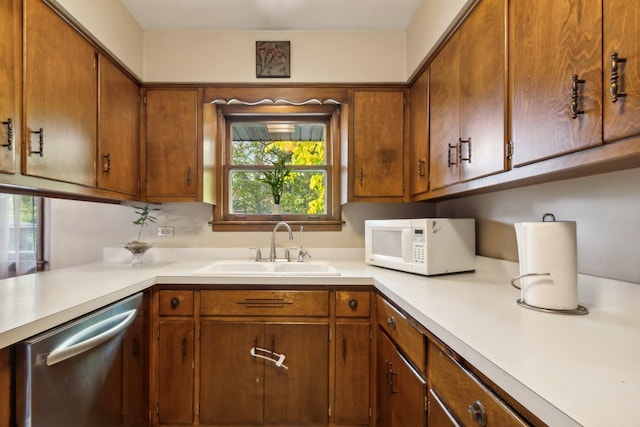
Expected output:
(273, 59)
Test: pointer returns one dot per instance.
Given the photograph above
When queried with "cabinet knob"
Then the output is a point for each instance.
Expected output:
(175, 302)
(353, 304)
(477, 413)
(391, 321)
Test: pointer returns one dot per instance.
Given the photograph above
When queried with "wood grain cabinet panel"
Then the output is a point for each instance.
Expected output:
(118, 130)
(9, 83)
(550, 43)
(60, 104)
(621, 103)
(377, 156)
(265, 302)
(419, 135)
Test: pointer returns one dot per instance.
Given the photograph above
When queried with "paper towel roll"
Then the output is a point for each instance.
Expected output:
(548, 247)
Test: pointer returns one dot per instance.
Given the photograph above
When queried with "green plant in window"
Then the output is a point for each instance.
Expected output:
(276, 177)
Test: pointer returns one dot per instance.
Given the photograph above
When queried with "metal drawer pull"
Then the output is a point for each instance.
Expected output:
(477, 413)
(391, 321)
(40, 150)
(278, 361)
(106, 163)
(9, 124)
(449, 156)
(615, 77)
(575, 111)
(466, 158)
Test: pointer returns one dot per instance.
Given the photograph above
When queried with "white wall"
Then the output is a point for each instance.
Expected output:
(605, 207)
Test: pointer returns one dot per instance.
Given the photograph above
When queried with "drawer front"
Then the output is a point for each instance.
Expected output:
(465, 397)
(352, 303)
(176, 303)
(402, 332)
(264, 303)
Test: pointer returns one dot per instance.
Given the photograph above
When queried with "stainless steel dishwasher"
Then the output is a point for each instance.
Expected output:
(88, 372)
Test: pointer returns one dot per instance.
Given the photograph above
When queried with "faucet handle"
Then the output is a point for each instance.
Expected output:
(302, 254)
(287, 253)
(258, 254)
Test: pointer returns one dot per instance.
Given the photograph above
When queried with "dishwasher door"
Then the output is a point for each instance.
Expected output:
(88, 372)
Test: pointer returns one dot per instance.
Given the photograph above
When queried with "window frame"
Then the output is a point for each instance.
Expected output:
(226, 115)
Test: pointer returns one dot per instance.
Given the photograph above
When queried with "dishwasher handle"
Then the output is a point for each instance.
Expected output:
(91, 337)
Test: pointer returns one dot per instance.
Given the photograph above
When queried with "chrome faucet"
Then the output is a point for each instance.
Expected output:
(272, 252)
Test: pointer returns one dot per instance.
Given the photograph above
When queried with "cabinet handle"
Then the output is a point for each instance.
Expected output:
(9, 125)
(421, 162)
(454, 162)
(175, 302)
(391, 321)
(189, 175)
(390, 377)
(468, 157)
(477, 413)
(361, 176)
(40, 150)
(106, 163)
(575, 81)
(615, 77)
(353, 304)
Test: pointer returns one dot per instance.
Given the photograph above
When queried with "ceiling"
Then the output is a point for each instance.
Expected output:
(257, 15)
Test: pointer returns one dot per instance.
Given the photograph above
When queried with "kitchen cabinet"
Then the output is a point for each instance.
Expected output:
(173, 358)
(60, 99)
(419, 135)
(467, 99)
(171, 144)
(352, 358)
(5, 386)
(400, 369)
(9, 83)
(621, 80)
(556, 77)
(118, 130)
(457, 397)
(266, 352)
(376, 155)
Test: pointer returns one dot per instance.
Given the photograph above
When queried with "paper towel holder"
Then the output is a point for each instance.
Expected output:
(580, 310)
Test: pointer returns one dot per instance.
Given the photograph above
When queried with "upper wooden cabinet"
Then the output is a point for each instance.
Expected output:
(118, 130)
(9, 83)
(419, 135)
(171, 145)
(376, 155)
(621, 78)
(556, 77)
(467, 99)
(60, 99)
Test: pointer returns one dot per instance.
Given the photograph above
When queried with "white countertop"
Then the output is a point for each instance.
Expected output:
(568, 370)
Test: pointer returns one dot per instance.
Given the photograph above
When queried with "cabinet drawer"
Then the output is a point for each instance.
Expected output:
(404, 334)
(264, 303)
(176, 303)
(352, 303)
(465, 397)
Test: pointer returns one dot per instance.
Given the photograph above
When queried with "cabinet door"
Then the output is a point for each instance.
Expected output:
(444, 115)
(438, 414)
(9, 82)
(60, 99)
(352, 373)
(299, 394)
(621, 113)
(175, 372)
(551, 42)
(482, 90)
(118, 136)
(171, 144)
(378, 135)
(401, 391)
(419, 135)
(231, 380)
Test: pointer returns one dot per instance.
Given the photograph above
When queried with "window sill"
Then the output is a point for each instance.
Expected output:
(267, 225)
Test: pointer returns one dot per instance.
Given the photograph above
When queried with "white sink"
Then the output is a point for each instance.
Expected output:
(265, 268)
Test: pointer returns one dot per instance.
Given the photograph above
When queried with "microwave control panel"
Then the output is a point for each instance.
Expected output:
(418, 246)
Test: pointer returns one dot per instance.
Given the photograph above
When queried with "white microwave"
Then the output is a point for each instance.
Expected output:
(426, 246)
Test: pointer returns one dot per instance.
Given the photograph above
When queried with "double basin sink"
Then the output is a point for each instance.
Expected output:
(265, 268)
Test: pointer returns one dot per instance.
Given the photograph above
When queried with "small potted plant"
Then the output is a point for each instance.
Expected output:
(275, 177)
(138, 247)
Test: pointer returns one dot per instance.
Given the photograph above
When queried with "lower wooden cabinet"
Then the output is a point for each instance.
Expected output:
(261, 357)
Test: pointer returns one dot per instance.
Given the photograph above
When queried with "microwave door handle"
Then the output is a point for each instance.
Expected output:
(79, 344)
(407, 245)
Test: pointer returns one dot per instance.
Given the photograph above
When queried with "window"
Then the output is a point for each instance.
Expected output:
(253, 138)
(21, 238)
